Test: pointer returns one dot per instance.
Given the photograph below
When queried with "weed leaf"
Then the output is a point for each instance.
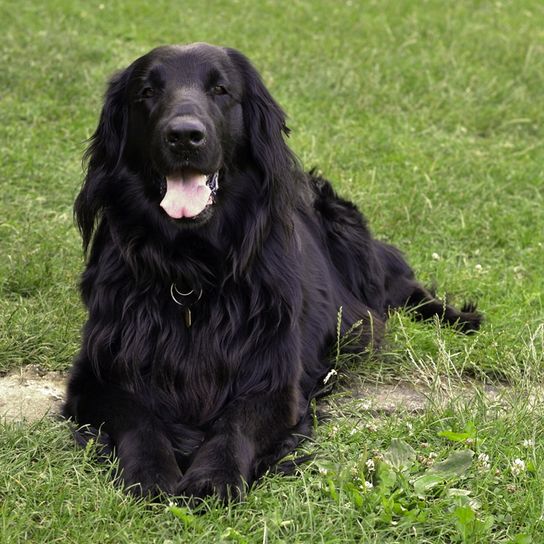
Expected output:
(455, 465)
(400, 455)
(232, 535)
(182, 514)
(522, 538)
(469, 432)
(386, 477)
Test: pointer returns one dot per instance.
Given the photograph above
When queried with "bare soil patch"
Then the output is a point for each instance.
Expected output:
(30, 394)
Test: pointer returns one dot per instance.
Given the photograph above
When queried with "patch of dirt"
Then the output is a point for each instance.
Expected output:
(30, 394)
(407, 397)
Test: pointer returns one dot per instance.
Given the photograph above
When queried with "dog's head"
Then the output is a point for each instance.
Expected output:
(180, 120)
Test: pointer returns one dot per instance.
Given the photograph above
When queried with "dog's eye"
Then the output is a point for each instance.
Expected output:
(147, 92)
(218, 89)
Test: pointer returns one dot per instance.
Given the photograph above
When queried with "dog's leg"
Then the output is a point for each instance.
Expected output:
(403, 290)
(146, 458)
(425, 306)
(248, 430)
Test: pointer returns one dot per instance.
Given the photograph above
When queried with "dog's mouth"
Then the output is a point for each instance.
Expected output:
(188, 193)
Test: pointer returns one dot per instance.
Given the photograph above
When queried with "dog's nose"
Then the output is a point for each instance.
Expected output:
(185, 132)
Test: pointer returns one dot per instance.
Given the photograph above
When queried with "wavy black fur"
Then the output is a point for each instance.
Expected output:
(208, 408)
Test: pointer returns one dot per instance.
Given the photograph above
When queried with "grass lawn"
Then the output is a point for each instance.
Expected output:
(427, 114)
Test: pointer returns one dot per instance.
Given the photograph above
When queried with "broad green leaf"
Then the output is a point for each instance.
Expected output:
(231, 534)
(455, 492)
(455, 465)
(426, 482)
(332, 489)
(354, 494)
(461, 497)
(468, 432)
(182, 514)
(385, 475)
(400, 455)
(453, 436)
(468, 524)
(465, 519)
(464, 515)
(522, 538)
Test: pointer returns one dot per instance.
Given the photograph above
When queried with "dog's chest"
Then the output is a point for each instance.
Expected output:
(193, 366)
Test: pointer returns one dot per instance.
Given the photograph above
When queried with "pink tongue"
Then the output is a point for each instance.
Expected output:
(186, 195)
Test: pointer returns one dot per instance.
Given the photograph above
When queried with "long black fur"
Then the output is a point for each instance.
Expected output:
(208, 408)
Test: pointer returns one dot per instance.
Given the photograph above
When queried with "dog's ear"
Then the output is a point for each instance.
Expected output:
(103, 155)
(264, 122)
(265, 129)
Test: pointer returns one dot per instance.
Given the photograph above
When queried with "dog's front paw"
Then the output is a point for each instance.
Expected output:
(227, 485)
(150, 479)
(148, 470)
(470, 319)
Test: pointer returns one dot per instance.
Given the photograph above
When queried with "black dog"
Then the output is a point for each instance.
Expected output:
(215, 273)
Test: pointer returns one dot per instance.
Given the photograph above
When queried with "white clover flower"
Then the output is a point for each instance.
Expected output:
(435, 256)
(377, 454)
(368, 485)
(483, 461)
(517, 467)
(323, 471)
(370, 465)
(372, 427)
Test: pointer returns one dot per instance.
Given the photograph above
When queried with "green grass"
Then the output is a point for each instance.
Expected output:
(53, 492)
(427, 114)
